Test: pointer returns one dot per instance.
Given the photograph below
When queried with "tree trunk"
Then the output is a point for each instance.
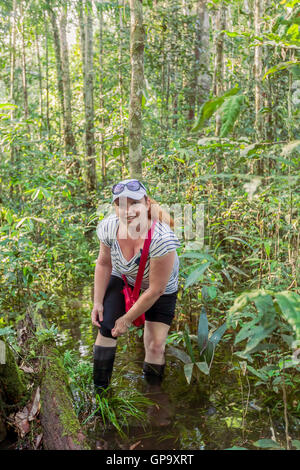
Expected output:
(121, 32)
(137, 38)
(258, 9)
(70, 145)
(47, 77)
(40, 79)
(12, 84)
(24, 72)
(89, 137)
(219, 78)
(13, 57)
(101, 90)
(200, 81)
(57, 52)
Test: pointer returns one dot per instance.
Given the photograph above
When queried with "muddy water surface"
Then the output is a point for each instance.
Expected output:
(220, 412)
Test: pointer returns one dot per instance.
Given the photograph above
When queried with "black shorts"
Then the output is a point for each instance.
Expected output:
(162, 310)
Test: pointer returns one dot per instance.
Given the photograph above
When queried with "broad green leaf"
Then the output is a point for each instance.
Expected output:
(194, 254)
(212, 343)
(226, 273)
(233, 238)
(245, 331)
(188, 343)
(179, 354)
(208, 352)
(280, 66)
(267, 248)
(203, 367)
(230, 112)
(196, 275)
(217, 335)
(259, 334)
(210, 106)
(289, 303)
(237, 270)
(267, 444)
(212, 292)
(296, 443)
(202, 331)
(236, 448)
(7, 330)
(258, 373)
(188, 371)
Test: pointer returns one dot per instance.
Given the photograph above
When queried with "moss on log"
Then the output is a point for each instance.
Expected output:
(60, 424)
(12, 384)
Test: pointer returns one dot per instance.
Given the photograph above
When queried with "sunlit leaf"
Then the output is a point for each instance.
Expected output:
(188, 371)
(267, 444)
(210, 106)
(203, 367)
(179, 354)
(196, 275)
(289, 303)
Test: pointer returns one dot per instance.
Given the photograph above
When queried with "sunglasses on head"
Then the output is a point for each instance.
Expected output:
(131, 185)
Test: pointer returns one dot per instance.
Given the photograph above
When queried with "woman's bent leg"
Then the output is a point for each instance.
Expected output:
(155, 335)
(105, 345)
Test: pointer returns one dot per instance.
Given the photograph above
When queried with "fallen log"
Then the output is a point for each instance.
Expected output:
(60, 426)
(12, 385)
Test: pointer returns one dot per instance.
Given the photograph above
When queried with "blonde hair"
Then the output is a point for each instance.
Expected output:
(158, 213)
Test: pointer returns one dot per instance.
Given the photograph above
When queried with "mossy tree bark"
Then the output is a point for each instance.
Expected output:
(13, 388)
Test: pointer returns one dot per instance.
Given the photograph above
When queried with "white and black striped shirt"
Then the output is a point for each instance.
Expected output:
(163, 241)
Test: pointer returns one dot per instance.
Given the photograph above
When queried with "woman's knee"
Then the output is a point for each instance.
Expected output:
(156, 348)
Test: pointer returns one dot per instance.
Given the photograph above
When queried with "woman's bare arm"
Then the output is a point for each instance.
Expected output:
(159, 275)
(102, 275)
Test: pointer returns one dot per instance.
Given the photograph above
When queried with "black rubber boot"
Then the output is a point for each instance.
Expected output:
(103, 366)
(153, 373)
(160, 412)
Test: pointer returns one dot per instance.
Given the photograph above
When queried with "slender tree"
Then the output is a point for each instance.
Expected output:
(89, 99)
(200, 80)
(121, 34)
(70, 145)
(137, 39)
(58, 63)
(101, 92)
(13, 30)
(47, 75)
(24, 70)
(219, 76)
(258, 9)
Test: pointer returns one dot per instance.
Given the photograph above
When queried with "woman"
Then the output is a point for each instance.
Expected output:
(122, 235)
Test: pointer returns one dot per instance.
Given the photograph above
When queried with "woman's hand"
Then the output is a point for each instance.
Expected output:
(121, 326)
(97, 314)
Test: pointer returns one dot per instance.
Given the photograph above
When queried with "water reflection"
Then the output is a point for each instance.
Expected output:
(212, 414)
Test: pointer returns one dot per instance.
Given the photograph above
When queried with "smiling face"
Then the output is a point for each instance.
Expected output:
(133, 213)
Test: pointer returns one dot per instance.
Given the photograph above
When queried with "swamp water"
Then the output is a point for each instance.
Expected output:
(220, 412)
